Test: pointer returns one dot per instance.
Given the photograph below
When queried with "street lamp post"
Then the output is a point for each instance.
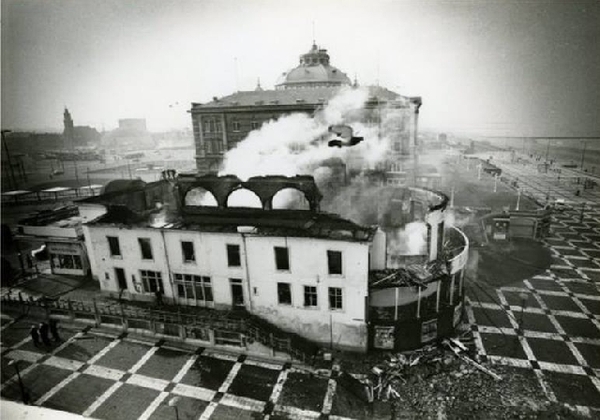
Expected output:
(24, 394)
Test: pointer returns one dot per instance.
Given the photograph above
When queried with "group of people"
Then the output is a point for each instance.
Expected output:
(41, 332)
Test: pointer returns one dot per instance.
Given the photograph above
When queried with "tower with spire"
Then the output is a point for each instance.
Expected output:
(68, 126)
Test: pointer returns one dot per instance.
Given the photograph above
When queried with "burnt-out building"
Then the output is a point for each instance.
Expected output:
(219, 125)
(325, 278)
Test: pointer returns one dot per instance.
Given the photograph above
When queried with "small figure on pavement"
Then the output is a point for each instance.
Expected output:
(44, 333)
(54, 330)
(35, 337)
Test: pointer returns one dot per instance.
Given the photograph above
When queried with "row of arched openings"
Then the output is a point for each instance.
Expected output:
(284, 199)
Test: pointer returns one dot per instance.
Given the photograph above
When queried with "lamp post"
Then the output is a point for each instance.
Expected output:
(24, 394)
(13, 180)
(173, 403)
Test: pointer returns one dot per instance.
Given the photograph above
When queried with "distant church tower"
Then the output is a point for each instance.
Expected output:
(68, 122)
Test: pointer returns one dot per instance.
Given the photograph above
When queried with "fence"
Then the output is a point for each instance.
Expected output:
(212, 328)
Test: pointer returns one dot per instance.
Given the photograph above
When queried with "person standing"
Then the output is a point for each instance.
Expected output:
(54, 330)
(44, 333)
(35, 336)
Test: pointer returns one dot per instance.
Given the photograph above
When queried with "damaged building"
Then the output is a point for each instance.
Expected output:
(315, 274)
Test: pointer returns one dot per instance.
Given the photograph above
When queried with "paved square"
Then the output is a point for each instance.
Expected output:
(119, 404)
(79, 394)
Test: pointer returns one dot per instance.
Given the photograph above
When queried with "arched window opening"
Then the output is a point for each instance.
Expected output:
(243, 198)
(200, 197)
(291, 199)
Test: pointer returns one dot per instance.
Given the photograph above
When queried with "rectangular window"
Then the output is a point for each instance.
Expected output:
(146, 248)
(429, 330)
(335, 298)
(310, 296)
(187, 251)
(236, 126)
(255, 125)
(113, 244)
(334, 262)
(191, 287)
(233, 256)
(282, 258)
(284, 294)
(151, 280)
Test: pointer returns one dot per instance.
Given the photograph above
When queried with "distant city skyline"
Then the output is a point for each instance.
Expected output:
(493, 68)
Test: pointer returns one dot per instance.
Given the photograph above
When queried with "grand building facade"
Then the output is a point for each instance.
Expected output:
(221, 124)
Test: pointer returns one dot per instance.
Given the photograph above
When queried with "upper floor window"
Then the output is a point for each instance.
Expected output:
(233, 256)
(187, 251)
(282, 258)
(145, 248)
(115, 247)
(255, 125)
(334, 262)
(235, 126)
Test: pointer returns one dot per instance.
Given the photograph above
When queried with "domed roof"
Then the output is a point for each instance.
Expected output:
(314, 70)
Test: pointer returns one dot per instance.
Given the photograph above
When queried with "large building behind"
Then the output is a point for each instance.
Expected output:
(221, 124)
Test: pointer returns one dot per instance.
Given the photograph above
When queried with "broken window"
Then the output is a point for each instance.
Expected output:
(429, 330)
(191, 287)
(282, 258)
(310, 296)
(233, 256)
(284, 293)
(187, 250)
(334, 262)
(146, 248)
(335, 298)
(113, 244)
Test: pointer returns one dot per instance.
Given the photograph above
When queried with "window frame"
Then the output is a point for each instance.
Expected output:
(149, 242)
(110, 248)
(230, 264)
(236, 126)
(279, 293)
(183, 253)
(307, 293)
(330, 253)
(335, 298)
(195, 283)
(287, 258)
(145, 278)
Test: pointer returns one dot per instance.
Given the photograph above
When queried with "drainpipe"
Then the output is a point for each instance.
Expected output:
(162, 232)
(247, 273)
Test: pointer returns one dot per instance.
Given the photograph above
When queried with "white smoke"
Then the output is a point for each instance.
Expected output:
(295, 144)
(409, 240)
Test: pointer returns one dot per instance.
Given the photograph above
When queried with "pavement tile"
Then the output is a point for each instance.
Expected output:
(208, 372)
(40, 380)
(552, 351)
(16, 333)
(593, 275)
(556, 242)
(346, 404)
(593, 253)
(537, 322)
(542, 284)
(187, 408)
(503, 345)
(84, 348)
(571, 235)
(573, 389)
(582, 287)
(79, 394)
(164, 364)
(592, 305)
(591, 354)
(491, 318)
(303, 391)
(595, 238)
(514, 299)
(128, 402)
(587, 263)
(222, 412)
(578, 327)
(254, 382)
(560, 303)
(124, 355)
(564, 273)
(569, 252)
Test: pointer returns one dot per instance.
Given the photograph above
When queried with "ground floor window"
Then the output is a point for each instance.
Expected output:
(310, 296)
(192, 287)
(68, 262)
(151, 280)
(335, 298)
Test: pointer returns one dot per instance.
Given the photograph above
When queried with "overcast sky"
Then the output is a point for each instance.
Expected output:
(493, 67)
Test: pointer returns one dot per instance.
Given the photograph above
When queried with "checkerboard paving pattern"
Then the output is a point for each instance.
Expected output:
(551, 323)
(100, 375)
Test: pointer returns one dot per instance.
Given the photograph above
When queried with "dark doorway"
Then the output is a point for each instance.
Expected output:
(237, 293)
(121, 278)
